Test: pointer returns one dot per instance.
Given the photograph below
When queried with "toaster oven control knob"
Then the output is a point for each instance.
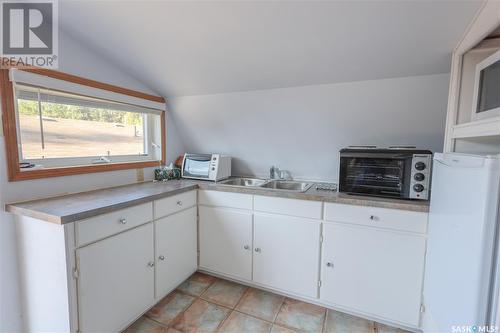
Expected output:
(420, 166)
(419, 177)
(418, 187)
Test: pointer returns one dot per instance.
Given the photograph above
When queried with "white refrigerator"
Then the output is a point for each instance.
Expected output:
(461, 282)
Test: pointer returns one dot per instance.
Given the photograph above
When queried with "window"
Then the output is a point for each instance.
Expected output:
(59, 129)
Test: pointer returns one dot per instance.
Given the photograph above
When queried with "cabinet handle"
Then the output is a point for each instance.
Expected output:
(258, 250)
(162, 257)
(246, 247)
(151, 264)
(179, 203)
(123, 221)
(329, 264)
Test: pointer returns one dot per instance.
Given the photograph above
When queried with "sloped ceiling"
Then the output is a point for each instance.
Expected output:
(194, 48)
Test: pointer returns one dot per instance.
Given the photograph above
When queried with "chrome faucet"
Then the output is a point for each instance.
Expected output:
(276, 173)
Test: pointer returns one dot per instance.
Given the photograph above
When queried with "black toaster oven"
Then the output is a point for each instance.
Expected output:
(386, 172)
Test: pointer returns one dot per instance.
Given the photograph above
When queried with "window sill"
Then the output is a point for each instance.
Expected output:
(19, 175)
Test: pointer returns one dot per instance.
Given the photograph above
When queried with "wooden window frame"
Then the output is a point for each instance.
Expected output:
(10, 129)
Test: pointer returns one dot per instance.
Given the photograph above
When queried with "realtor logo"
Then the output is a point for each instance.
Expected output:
(29, 33)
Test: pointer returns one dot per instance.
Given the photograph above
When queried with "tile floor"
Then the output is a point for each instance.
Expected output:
(205, 304)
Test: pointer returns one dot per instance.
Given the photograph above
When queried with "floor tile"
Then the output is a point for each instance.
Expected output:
(197, 284)
(381, 328)
(280, 329)
(261, 304)
(241, 323)
(201, 316)
(301, 316)
(170, 307)
(225, 293)
(145, 325)
(337, 322)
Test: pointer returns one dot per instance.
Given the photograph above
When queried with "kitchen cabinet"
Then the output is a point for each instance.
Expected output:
(395, 219)
(100, 273)
(169, 205)
(176, 250)
(286, 206)
(373, 271)
(226, 241)
(115, 280)
(286, 253)
(225, 199)
(101, 226)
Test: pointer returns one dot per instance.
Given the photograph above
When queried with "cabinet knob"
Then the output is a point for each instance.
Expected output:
(179, 203)
(258, 250)
(373, 218)
(123, 221)
(329, 264)
(162, 257)
(246, 247)
(151, 264)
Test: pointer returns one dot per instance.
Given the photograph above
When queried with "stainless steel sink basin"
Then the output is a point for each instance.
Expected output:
(278, 185)
(247, 182)
(286, 185)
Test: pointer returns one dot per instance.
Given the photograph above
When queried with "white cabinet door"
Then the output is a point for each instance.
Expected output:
(176, 250)
(374, 271)
(116, 280)
(226, 241)
(286, 253)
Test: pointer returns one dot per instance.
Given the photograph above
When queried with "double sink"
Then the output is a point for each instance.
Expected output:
(278, 185)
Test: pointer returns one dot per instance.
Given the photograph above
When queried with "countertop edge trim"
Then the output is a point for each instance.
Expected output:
(14, 208)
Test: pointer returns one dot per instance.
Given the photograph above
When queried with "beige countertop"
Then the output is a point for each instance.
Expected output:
(78, 206)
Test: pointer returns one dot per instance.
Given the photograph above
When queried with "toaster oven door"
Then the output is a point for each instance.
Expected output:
(196, 166)
(377, 176)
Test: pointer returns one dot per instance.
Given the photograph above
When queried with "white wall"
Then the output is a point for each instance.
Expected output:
(302, 129)
(75, 60)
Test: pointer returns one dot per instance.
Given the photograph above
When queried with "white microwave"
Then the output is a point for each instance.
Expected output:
(213, 167)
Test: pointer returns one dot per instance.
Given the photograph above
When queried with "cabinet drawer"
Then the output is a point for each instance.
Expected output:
(377, 217)
(225, 199)
(294, 207)
(170, 205)
(95, 228)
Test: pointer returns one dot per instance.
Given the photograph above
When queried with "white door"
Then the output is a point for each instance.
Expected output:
(116, 280)
(176, 250)
(226, 241)
(374, 271)
(286, 253)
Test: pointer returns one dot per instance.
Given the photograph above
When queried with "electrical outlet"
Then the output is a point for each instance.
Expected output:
(140, 175)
